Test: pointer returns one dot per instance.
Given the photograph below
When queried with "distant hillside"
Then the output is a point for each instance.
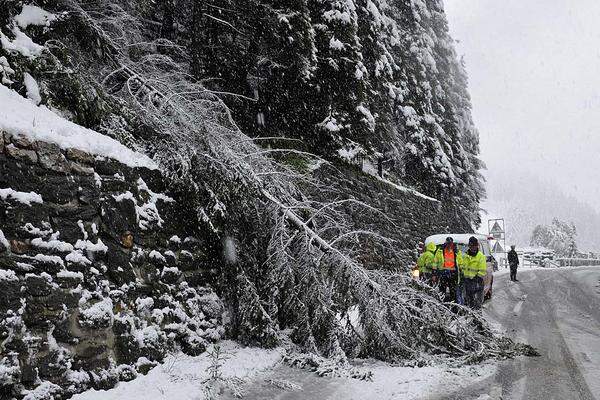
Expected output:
(526, 201)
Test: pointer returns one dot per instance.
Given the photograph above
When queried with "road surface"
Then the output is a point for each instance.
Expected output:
(558, 312)
(555, 310)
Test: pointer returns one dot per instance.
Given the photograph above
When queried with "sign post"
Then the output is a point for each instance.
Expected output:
(497, 232)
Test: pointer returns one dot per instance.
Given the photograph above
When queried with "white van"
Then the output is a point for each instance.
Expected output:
(462, 243)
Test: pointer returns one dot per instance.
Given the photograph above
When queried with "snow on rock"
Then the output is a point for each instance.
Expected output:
(20, 116)
(20, 44)
(181, 377)
(155, 255)
(69, 274)
(21, 197)
(144, 305)
(82, 228)
(34, 15)
(97, 315)
(24, 267)
(33, 89)
(49, 259)
(146, 213)
(35, 231)
(125, 196)
(3, 241)
(55, 245)
(77, 257)
(8, 275)
(90, 247)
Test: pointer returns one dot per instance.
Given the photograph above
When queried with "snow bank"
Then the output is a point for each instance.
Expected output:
(20, 116)
(181, 377)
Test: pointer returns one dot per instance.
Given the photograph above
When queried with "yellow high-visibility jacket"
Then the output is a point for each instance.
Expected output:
(426, 261)
(472, 266)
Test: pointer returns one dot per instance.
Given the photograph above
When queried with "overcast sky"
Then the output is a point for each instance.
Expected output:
(534, 71)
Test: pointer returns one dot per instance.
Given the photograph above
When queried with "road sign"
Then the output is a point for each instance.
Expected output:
(497, 248)
(496, 229)
(498, 233)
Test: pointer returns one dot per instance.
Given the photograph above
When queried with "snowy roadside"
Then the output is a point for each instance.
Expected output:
(390, 382)
(254, 373)
(184, 377)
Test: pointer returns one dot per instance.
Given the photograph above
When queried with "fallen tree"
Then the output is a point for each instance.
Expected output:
(292, 262)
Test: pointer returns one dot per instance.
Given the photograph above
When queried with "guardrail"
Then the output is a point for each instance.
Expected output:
(577, 262)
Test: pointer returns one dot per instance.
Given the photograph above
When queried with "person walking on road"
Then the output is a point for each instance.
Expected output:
(513, 262)
(426, 263)
(447, 260)
(474, 269)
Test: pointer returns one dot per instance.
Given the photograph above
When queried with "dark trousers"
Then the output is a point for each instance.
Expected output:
(426, 277)
(474, 292)
(460, 291)
(513, 272)
(447, 284)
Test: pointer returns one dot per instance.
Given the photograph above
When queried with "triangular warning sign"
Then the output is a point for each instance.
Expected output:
(496, 228)
(497, 248)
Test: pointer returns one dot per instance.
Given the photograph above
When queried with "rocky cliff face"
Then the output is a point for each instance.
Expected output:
(101, 272)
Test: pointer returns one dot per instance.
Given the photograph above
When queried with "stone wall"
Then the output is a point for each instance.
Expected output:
(102, 271)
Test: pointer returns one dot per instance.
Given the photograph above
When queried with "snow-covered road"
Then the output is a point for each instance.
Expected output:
(557, 311)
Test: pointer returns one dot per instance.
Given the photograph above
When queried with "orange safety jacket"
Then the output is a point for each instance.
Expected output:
(449, 259)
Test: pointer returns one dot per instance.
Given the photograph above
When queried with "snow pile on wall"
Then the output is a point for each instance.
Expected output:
(20, 116)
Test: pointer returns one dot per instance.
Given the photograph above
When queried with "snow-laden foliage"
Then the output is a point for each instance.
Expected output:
(296, 264)
(379, 73)
(559, 236)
